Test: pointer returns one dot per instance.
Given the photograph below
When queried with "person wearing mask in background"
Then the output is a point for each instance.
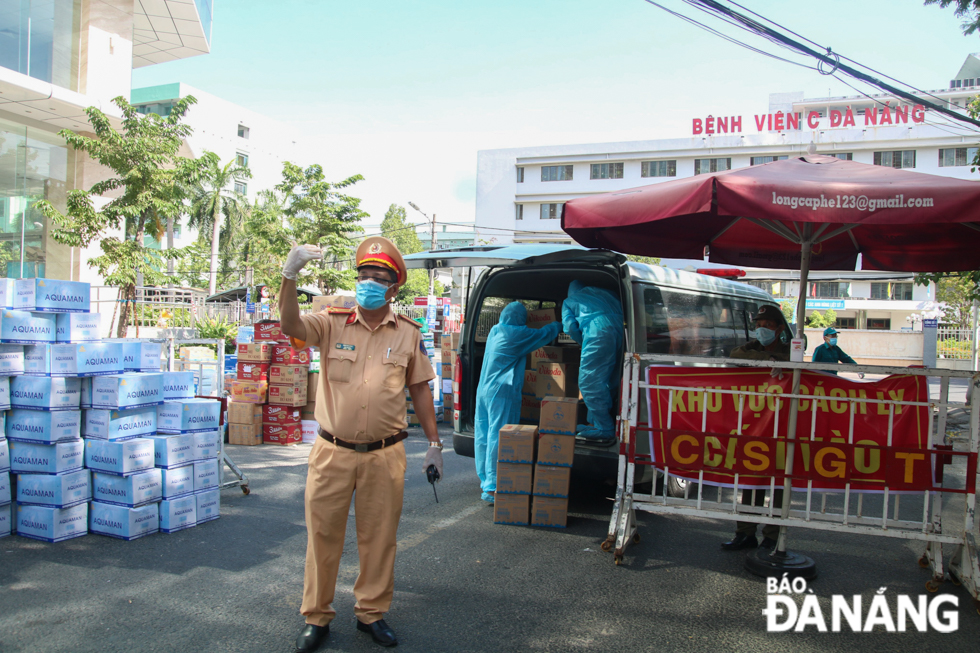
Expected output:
(498, 395)
(829, 352)
(368, 355)
(772, 342)
(593, 317)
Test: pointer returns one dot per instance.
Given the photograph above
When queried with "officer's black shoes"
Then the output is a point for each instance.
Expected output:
(768, 543)
(740, 541)
(380, 632)
(311, 637)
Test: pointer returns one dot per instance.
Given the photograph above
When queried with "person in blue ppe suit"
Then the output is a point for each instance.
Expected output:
(593, 317)
(498, 396)
(829, 352)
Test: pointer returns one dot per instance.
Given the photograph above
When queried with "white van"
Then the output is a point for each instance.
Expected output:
(665, 311)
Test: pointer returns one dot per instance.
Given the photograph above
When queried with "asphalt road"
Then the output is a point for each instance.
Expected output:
(462, 583)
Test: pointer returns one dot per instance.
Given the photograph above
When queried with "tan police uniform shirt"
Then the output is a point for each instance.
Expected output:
(360, 396)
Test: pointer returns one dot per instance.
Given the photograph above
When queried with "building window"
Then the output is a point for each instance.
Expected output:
(556, 173)
(830, 289)
(519, 212)
(703, 166)
(845, 156)
(882, 323)
(520, 174)
(895, 291)
(241, 160)
(243, 131)
(846, 323)
(607, 171)
(957, 156)
(759, 160)
(551, 211)
(895, 159)
(241, 188)
(658, 168)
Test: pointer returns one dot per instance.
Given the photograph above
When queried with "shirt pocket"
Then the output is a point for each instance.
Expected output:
(395, 366)
(340, 365)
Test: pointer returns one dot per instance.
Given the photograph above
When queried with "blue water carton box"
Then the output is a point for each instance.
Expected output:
(85, 401)
(6, 520)
(178, 385)
(43, 426)
(24, 328)
(52, 295)
(122, 522)
(173, 450)
(5, 496)
(142, 356)
(105, 424)
(121, 458)
(7, 293)
(178, 514)
(27, 458)
(129, 390)
(86, 359)
(52, 524)
(205, 475)
(4, 394)
(207, 444)
(11, 360)
(45, 393)
(246, 334)
(37, 360)
(78, 327)
(208, 505)
(177, 481)
(4, 456)
(188, 415)
(54, 490)
(132, 491)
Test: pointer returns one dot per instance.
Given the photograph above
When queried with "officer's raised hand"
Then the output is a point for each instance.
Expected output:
(299, 256)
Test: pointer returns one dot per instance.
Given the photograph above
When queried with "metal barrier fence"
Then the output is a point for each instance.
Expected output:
(915, 516)
(954, 343)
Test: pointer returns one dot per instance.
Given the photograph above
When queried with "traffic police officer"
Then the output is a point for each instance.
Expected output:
(367, 356)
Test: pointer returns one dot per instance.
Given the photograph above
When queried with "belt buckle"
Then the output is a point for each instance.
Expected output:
(361, 447)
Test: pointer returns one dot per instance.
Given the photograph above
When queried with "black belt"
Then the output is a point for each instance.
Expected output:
(364, 447)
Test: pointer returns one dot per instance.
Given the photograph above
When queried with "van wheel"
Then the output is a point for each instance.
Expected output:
(676, 486)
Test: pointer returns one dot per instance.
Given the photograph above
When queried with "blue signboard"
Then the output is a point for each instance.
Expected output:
(930, 324)
(250, 307)
(835, 304)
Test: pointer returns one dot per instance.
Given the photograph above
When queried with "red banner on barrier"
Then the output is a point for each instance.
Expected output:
(756, 455)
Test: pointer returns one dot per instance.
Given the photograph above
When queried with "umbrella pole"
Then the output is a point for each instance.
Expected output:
(781, 561)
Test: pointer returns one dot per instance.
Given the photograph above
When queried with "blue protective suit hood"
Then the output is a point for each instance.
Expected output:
(513, 314)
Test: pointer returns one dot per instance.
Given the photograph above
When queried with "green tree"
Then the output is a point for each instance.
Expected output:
(396, 228)
(968, 10)
(649, 260)
(147, 183)
(956, 293)
(789, 311)
(818, 321)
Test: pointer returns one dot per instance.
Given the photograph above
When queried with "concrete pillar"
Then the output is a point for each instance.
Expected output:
(930, 333)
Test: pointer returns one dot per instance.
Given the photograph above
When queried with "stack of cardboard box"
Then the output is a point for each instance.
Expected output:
(552, 371)
(515, 468)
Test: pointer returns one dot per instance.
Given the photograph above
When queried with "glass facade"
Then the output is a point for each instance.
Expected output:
(34, 165)
(39, 38)
(205, 10)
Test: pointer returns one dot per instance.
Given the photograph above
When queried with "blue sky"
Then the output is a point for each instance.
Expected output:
(407, 92)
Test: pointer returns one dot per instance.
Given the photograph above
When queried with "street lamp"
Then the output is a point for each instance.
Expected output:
(432, 271)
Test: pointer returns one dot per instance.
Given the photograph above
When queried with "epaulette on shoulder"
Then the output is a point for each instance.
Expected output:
(410, 321)
(339, 311)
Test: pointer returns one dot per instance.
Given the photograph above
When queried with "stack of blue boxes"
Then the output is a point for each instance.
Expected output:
(61, 383)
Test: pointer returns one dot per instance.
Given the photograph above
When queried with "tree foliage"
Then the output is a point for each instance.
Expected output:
(818, 321)
(396, 228)
(649, 260)
(968, 10)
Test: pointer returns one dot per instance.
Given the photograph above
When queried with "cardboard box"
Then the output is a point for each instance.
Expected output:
(22, 327)
(555, 355)
(558, 415)
(178, 385)
(208, 505)
(171, 451)
(282, 433)
(269, 332)
(37, 359)
(252, 371)
(556, 380)
(131, 491)
(249, 392)
(513, 478)
(287, 355)
(189, 415)
(539, 318)
(54, 490)
(245, 434)
(86, 359)
(290, 375)
(551, 481)
(556, 450)
(530, 409)
(177, 481)
(43, 426)
(309, 429)
(105, 424)
(78, 327)
(207, 445)
(197, 354)
(122, 522)
(85, 400)
(11, 360)
(142, 356)
(6, 520)
(52, 295)
(312, 380)
(530, 382)
(333, 301)
(511, 509)
(121, 458)
(516, 443)
(52, 524)
(7, 293)
(308, 412)
(129, 390)
(255, 352)
(281, 415)
(205, 475)
(287, 395)
(4, 396)
(5, 495)
(26, 458)
(244, 413)
(4, 456)
(549, 511)
(44, 393)
(178, 513)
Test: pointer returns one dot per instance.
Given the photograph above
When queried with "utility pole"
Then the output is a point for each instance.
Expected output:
(432, 271)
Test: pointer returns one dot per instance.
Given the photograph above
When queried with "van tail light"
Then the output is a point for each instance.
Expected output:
(457, 382)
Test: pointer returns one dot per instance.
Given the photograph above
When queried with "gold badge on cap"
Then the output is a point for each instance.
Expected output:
(374, 248)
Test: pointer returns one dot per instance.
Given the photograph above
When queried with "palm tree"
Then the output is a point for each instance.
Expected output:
(216, 208)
